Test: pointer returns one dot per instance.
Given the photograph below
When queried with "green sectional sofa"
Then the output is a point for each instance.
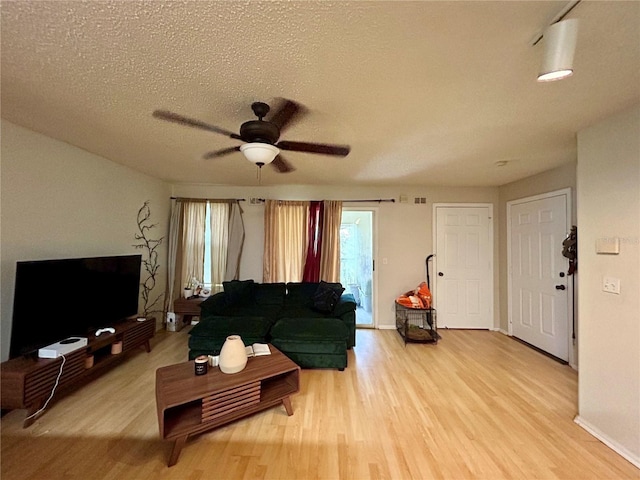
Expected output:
(312, 323)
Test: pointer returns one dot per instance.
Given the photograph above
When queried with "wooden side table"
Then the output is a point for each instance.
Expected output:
(185, 309)
(188, 404)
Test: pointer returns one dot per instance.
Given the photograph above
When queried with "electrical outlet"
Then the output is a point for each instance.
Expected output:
(611, 285)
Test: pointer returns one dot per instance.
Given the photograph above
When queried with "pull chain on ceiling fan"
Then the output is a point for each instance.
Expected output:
(261, 136)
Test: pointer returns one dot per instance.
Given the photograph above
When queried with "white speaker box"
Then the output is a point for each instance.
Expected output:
(171, 322)
(62, 347)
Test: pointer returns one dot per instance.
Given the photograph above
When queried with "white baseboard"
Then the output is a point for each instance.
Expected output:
(612, 444)
(386, 327)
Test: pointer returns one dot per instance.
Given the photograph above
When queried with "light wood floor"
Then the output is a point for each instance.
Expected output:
(477, 405)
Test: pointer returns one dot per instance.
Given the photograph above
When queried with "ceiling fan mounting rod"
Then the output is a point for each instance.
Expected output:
(260, 109)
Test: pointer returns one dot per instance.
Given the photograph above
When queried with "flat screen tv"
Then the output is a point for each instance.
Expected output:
(57, 299)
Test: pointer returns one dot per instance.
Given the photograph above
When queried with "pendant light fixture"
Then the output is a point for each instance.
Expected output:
(559, 47)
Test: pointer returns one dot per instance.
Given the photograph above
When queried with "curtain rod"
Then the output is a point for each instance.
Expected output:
(209, 199)
(374, 200)
(378, 200)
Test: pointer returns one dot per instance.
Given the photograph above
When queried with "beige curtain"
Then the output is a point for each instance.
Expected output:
(236, 242)
(174, 257)
(285, 240)
(330, 252)
(219, 243)
(187, 243)
(193, 218)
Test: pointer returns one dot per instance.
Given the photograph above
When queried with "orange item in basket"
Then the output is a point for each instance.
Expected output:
(425, 294)
(417, 298)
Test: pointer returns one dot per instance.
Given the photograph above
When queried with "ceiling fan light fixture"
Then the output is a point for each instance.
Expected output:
(259, 153)
(559, 47)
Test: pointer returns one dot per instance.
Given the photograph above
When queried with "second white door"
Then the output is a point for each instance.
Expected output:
(464, 266)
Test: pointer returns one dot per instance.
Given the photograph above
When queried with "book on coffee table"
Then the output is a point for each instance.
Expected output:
(257, 349)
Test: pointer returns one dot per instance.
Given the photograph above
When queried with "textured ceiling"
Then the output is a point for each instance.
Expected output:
(426, 93)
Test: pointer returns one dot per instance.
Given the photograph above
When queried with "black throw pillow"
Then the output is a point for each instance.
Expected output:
(326, 297)
(238, 291)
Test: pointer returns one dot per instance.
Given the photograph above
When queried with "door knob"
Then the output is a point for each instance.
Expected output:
(440, 274)
(560, 287)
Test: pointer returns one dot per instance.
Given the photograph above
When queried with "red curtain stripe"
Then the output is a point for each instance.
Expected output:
(315, 227)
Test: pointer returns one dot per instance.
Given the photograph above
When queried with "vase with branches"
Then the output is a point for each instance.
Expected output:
(149, 246)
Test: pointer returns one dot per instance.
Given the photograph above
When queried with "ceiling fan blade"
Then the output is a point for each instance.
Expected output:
(281, 165)
(285, 114)
(321, 148)
(190, 122)
(220, 153)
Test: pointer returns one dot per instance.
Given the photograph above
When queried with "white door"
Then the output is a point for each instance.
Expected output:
(463, 266)
(538, 284)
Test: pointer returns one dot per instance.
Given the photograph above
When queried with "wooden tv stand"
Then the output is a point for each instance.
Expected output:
(27, 381)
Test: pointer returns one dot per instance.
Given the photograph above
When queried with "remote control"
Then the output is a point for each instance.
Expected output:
(106, 329)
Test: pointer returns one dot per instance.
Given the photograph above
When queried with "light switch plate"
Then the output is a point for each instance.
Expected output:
(608, 245)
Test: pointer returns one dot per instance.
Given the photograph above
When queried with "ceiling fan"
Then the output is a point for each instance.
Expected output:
(261, 136)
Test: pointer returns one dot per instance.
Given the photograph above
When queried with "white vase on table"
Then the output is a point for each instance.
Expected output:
(233, 356)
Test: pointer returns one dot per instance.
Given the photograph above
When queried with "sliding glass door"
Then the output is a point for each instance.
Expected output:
(356, 261)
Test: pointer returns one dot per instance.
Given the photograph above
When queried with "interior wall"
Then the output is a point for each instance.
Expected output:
(59, 201)
(608, 179)
(404, 230)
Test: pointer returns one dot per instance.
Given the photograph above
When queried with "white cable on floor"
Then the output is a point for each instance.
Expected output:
(64, 359)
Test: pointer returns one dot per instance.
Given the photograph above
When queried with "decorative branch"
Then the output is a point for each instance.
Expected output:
(150, 263)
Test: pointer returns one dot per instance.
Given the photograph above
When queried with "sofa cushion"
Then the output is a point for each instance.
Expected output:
(222, 327)
(270, 293)
(300, 311)
(268, 312)
(301, 293)
(239, 291)
(310, 329)
(318, 347)
(326, 297)
(214, 304)
(346, 304)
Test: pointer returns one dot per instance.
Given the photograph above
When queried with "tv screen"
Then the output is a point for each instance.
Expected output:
(57, 299)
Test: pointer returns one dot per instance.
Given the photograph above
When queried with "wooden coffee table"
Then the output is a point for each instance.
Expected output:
(188, 404)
